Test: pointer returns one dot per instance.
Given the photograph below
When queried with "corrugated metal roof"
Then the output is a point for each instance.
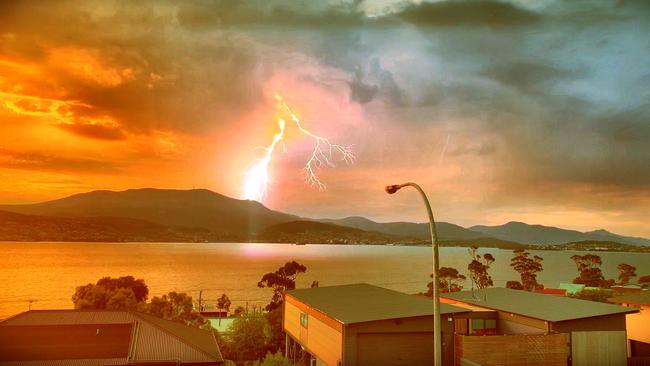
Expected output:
(201, 339)
(52, 317)
(634, 298)
(77, 362)
(157, 337)
(535, 305)
(363, 303)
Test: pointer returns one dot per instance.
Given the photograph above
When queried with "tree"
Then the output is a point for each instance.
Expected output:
(626, 272)
(248, 337)
(515, 285)
(123, 293)
(478, 268)
(588, 266)
(528, 268)
(644, 281)
(176, 307)
(592, 295)
(449, 281)
(273, 359)
(239, 311)
(282, 280)
(277, 338)
(223, 303)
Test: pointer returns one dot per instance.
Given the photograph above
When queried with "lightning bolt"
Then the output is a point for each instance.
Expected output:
(323, 150)
(257, 176)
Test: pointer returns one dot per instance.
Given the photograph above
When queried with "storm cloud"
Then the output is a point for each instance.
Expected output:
(535, 100)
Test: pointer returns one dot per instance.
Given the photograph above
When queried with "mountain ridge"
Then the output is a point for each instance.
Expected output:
(198, 210)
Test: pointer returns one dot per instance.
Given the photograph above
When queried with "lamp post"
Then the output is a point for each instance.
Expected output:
(437, 353)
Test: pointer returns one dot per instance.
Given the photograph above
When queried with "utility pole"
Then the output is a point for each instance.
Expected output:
(200, 301)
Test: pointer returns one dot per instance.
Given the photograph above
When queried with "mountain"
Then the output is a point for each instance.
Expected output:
(201, 215)
(303, 232)
(604, 235)
(20, 227)
(543, 235)
(199, 208)
(446, 231)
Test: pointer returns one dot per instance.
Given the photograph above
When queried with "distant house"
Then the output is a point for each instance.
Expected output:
(364, 325)
(96, 337)
(638, 324)
(515, 312)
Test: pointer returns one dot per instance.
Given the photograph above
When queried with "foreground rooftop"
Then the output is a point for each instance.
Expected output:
(535, 305)
(102, 337)
(360, 303)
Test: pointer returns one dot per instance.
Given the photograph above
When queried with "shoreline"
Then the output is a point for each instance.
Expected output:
(549, 247)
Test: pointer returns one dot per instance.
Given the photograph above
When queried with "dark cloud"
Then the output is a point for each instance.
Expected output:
(39, 161)
(175, 81)
(94, 131)
(530, 77)
(556, 96)
(471, 12)
(375, 81)
(310, 14)
(361, 92)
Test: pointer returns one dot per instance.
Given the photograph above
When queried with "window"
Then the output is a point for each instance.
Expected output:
(483, 327)
(304, 320)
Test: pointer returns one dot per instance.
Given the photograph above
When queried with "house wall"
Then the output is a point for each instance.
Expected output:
(509, 323)
(406, 341)
(323, 336)
(601, 323)
(638, 325)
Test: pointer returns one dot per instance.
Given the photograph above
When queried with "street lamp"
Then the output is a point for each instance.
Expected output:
(437, 355)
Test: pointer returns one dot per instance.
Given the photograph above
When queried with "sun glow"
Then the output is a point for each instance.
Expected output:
(257, 176)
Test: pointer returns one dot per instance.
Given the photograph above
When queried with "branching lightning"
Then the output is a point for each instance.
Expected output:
(322, 153)
(257, 177)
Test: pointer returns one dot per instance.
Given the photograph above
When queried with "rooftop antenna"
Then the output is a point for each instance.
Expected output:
(30, 301)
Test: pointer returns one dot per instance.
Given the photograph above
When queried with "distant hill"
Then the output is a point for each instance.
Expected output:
(446, 231)
(187, 208)
(303, 232)
(543, 235)
(20, 227)
(604, 235)
(199, 215)
(595, 245)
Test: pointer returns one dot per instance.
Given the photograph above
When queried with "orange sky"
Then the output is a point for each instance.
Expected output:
(105, 96)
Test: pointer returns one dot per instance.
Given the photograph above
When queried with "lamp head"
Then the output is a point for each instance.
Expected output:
(392, 188)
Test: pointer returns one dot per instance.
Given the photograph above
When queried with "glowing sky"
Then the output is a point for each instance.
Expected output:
(535, 111)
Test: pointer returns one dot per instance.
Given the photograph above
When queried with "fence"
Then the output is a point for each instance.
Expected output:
(513, 350)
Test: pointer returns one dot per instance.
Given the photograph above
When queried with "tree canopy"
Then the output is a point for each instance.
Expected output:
(449, 280)
(127, 293)
(626, 272)
(527, 268)
(177, 307)
(282, 280)
(247, 338)
(123, 293)
(590, 274)
(478, 268)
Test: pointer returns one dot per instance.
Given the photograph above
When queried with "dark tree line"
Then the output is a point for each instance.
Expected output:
(127, 293)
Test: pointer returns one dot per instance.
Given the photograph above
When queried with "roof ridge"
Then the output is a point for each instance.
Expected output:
(191, 344)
